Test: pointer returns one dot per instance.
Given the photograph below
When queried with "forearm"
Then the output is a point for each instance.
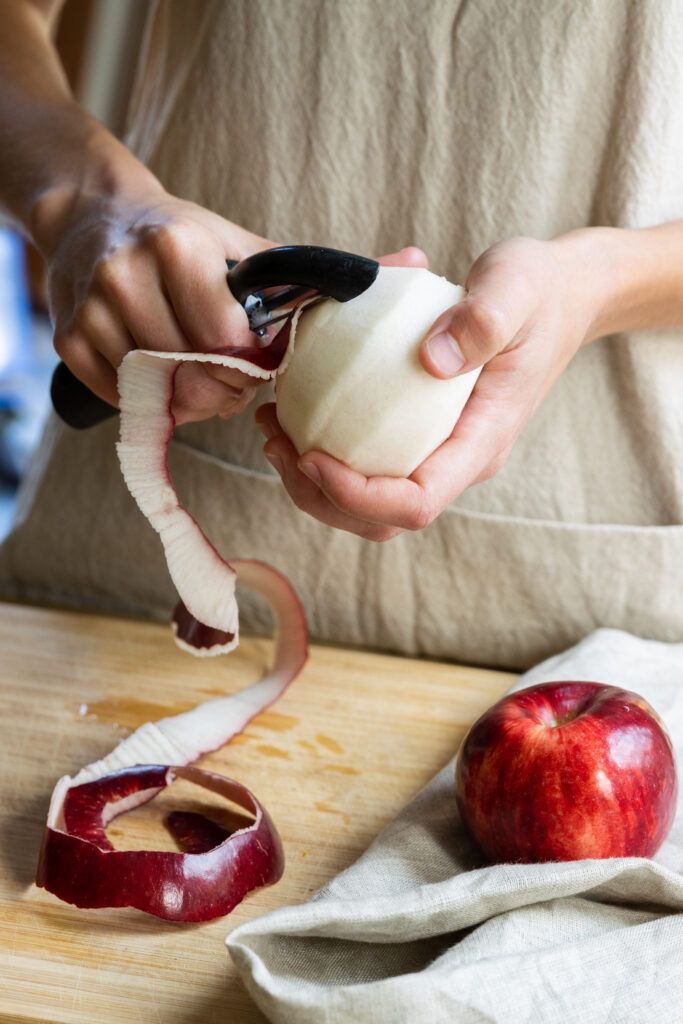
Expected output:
(633, 279)
(51, 150)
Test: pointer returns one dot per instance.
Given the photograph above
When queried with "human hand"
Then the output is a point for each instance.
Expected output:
(525, 315)
(143, 269)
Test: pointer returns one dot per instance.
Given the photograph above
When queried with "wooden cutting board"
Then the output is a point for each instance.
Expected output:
(355, 737)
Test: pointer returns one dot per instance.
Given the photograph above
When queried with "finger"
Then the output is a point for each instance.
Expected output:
(381, 500)
(384, 501)
(194, 275)
(237, 241)
(411, 256)
(132, 283)
(209, 316)
(282, 455)
(267, 422)
(197, 395)
(103, 329)
(483, 324)
(94, 345)
(484, 433)
(310, 499)
(503, 400)
(200, 391)
(88, 365)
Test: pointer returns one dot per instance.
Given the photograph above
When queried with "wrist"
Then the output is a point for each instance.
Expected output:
(626, 279)
(96, 170)
(590, 265)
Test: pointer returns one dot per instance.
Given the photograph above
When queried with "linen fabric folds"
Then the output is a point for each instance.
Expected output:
(418, 930)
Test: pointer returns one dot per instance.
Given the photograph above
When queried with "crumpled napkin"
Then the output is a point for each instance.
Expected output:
(416, 931)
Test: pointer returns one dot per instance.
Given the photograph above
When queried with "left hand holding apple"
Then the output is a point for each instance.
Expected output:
(530, 306)
(525, 315)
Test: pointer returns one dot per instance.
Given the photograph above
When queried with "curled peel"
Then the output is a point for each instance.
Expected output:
(79, 864)
(146, 383)
(213, 874)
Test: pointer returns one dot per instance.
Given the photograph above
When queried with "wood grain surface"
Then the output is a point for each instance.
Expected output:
(355, 737)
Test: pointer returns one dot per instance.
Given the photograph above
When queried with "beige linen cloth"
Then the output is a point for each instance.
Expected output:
(419, 931)
(368, 125)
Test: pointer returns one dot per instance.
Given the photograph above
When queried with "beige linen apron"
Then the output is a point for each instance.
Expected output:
(369, 125)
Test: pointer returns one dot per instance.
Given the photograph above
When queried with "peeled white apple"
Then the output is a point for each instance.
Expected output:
(353, 386)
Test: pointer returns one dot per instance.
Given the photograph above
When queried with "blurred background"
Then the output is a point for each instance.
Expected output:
(99, 42)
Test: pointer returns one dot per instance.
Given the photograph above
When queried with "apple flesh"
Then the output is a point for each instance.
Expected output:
(567, 770)
(352, 384)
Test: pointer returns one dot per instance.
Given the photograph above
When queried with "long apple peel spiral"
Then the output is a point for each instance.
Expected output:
(206, 623)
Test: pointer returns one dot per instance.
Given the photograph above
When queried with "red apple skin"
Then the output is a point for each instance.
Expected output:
(567, 770)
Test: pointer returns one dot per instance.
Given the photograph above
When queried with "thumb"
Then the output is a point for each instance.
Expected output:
(477, 328)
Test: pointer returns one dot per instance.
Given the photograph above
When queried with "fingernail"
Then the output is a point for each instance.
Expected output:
(310, 470)
(276, 462)
(445, 353)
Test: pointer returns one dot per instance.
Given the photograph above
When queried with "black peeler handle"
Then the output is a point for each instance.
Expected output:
(331, 272)
(75, 403)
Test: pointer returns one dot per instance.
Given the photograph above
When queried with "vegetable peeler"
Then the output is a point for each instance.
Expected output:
(294, 271)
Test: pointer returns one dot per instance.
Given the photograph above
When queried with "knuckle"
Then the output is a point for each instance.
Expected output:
(89, 319)
(175, 240)
(112, 274)
(244, 400)
(384, 534)
(68, 344)
(420, 516)
(487, 326)
(495, 465)
(196, 391)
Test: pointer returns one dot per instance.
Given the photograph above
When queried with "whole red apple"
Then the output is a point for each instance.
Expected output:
(562, 771)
